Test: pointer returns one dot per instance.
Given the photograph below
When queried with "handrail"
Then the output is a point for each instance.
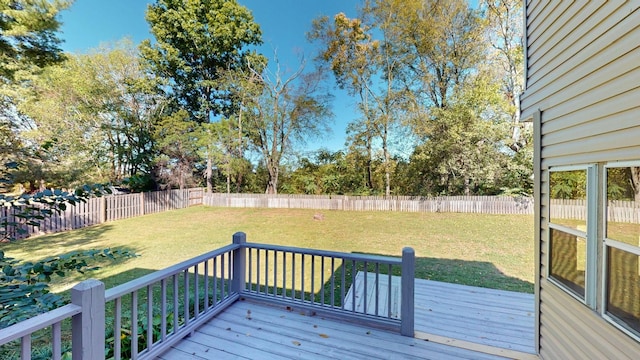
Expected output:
(29, 326)
(154, 277)
(241, 264)
(317, 280)
(387, 260)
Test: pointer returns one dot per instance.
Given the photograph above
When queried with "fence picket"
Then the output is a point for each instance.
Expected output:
(103, 209)
(116, 207)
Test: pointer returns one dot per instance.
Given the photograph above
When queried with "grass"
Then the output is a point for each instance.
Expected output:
(494, 251)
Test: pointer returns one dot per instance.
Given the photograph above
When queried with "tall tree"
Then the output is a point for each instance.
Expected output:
(243, 86)
(506, 52)
(505, 63)
(195, 40)
(463, 153)
(440, 42)
(290, 109)
(94, 113)
(28, 43)
(28, 39)
(367, 68)
(178, 142)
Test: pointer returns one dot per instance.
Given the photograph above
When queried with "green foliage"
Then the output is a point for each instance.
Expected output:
(178, 142)
(568, 184)
(28, 38)
(621, 184)
(291, 109)
(195, 40)
(367, 68)
(327, 172)
(30, 209)
(25, 285)
(93, 116)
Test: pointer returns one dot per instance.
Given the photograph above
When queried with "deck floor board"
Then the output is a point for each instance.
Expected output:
(485, 316)
(254, 330)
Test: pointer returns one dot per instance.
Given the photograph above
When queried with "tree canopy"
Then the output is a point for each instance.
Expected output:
(435, 87)
(28, 38)
(195, 41)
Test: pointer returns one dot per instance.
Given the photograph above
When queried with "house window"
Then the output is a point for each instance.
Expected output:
(568, 229)
(622, 246)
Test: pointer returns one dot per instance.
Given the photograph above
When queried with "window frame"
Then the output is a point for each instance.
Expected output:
(591, 256)
(606, 244)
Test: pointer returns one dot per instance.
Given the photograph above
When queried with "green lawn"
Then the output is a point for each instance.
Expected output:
(493, 251)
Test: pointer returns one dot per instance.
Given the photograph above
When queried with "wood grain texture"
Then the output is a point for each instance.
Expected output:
(451, 322)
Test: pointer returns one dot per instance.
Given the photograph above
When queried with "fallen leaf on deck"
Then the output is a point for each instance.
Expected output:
(296, 343)
(324, 336)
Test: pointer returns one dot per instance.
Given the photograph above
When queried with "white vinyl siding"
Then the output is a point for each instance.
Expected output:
(583, 78)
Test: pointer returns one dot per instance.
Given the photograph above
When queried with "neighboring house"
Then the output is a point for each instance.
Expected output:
(583, 96)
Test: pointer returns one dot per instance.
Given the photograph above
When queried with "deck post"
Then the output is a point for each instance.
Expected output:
(408, 292)
(88, 333)
(238, 284)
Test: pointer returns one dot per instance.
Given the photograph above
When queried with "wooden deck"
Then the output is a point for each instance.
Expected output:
(451, 322)
(488, 317)
(250, 330)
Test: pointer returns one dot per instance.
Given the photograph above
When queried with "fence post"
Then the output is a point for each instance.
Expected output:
(239, 263)
(141, 203)
(88, 332)
(407, 297)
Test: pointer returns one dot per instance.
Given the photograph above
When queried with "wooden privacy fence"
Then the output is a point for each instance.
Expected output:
(464, 204)
(617, 210)
(104, 209)
(116, 207)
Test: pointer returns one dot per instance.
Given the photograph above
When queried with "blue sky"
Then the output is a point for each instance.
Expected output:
(284, 24)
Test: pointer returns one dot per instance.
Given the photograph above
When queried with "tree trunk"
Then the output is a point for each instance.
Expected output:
(635, 182)
(369, 164)
(239, 182)
(272, 183)
(387, 160)
(209, 173)
(228, 176)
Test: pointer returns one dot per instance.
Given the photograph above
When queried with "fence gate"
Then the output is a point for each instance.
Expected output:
(195, 196)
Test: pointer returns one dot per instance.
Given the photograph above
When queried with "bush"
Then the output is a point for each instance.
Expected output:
(25, 285)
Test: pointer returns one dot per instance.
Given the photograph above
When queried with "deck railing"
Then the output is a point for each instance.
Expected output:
(165, 306)
(326, 281)
(146, 316)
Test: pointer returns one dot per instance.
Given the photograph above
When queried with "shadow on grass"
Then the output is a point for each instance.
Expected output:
(59, 242)
(464, 272)
(331, 292)
(472, 273)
